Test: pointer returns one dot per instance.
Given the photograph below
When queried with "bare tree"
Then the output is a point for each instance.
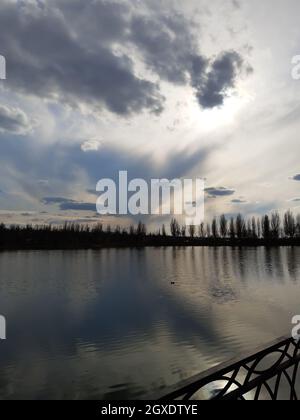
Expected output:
(208, 230)
(298, 225)
(289, 224)
(258, 224)
(254, 231)
(275, 225)
(98, 228)
(175, 228)
(223, 226)
(214, 228)
(232, 228)
(240, 226)
(141, 229)
(201, 230)
(266, 229)
(249, 229)
(192, 230)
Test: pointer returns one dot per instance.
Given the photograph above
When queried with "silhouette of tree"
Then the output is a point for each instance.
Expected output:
(201, 230)
(298, 226)
(249, 229)
(266, 230)
(275, 225)
(98, 228)
(258, 224)
(76, 236)
(254, 231)
(141, 229)
(232, 229)
(289, 224)
(175, 228)
(214, 228)
(192, 231)
(223, 226)
(208, 230)
(131, 230)
(240, 226)
(118, 230)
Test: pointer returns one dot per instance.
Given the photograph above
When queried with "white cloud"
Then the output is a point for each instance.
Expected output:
(92, 145)
(14, 121)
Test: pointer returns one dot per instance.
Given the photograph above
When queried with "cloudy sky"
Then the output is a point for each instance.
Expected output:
(158, 88)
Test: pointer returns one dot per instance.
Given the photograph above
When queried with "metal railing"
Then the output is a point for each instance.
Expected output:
(271, 373)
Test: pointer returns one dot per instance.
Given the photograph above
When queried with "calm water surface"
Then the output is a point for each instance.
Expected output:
(111, 323)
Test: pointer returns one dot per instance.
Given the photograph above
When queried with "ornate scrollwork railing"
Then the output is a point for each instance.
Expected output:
(271, 373)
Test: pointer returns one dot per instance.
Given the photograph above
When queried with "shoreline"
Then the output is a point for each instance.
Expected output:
(149, 242)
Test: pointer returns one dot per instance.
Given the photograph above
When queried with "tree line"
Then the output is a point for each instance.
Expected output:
(269, 229)
(69, 235)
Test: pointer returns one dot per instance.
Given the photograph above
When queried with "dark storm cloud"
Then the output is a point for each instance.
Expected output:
(239, 201)
(78, 206)
(170, 50)
(213, 86)
(13, 120)
(69, 204)
(56, 200)
(67, 52)
(219, 192)
(47, 58)
(166, 43)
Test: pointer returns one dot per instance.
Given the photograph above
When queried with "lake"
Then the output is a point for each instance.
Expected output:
(119, 324)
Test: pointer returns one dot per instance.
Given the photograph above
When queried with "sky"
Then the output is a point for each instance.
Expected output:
(166, 89)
